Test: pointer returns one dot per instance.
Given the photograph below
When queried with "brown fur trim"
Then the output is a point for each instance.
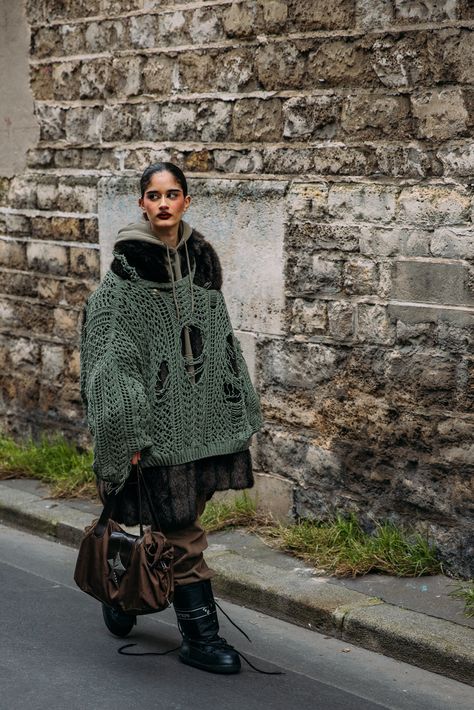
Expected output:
(176, 490)
(150, 261)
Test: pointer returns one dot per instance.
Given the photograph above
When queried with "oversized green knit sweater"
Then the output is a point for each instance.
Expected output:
(142, 388)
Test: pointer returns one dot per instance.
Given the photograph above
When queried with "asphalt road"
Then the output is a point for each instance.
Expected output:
(57, 655)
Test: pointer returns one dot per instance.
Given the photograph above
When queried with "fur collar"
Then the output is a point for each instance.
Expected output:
(150, 261)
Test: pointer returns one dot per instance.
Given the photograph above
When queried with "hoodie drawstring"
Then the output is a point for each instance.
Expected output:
(190, 277)
(176, 305)
(188, 351)
(178, 270)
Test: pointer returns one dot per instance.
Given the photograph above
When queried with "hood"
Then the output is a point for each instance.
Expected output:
(141, 232)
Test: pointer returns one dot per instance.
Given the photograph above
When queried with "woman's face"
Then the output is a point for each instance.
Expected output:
(164, 202)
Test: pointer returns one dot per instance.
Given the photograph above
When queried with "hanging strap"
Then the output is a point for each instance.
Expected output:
(232, 622)
(154, 516)
(107, 511)
(259, 670)
(109, 506)
(218, 642)
(123, 652)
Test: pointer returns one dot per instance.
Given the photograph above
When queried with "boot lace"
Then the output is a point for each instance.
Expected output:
(216, 642)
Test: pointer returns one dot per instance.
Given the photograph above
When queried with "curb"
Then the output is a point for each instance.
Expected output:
(267, 581)
(418, 639)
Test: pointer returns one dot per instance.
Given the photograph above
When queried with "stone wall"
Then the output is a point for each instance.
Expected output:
(354, 118)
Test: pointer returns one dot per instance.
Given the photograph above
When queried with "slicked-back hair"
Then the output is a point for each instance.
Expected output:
(161, 168)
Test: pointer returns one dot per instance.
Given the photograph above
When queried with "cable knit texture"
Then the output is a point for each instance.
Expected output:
(142, 389)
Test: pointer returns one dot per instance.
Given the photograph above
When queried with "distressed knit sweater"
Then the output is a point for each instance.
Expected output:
(145, 389)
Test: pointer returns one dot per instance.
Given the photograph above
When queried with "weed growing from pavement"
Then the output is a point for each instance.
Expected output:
(341, 547)
(338, 547)
(54, 461)
(465, 591)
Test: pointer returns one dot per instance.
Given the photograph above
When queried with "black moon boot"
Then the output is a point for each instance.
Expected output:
(202, 646)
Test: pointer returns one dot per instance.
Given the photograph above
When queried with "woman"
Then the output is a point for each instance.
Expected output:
(164, 382)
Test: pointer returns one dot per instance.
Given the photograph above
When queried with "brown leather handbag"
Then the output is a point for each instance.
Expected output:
(132, 573)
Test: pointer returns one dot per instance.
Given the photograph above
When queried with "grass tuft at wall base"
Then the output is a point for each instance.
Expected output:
(55, 462)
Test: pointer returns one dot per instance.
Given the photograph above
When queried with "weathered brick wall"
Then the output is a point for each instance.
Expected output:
(365, 110)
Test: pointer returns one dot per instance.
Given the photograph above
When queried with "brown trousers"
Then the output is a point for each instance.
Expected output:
(189, 544)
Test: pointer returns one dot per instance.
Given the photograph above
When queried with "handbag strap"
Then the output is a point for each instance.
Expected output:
(107, 511)
(140, 507)
(154, 516)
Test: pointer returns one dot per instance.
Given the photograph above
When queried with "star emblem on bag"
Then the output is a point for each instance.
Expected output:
(117, 570)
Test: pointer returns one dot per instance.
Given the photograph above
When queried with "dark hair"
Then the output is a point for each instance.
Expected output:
(161, 168)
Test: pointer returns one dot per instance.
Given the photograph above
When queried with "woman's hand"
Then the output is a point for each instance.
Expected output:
(136, 458)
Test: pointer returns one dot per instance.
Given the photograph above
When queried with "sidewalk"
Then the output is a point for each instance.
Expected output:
(411, 619)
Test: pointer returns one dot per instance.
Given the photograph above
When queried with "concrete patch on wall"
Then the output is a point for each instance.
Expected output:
(445, 282)
(117, 206)
(18, 127)
(244, 221)
(272, 494)
(416, 313)
(248, 342)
